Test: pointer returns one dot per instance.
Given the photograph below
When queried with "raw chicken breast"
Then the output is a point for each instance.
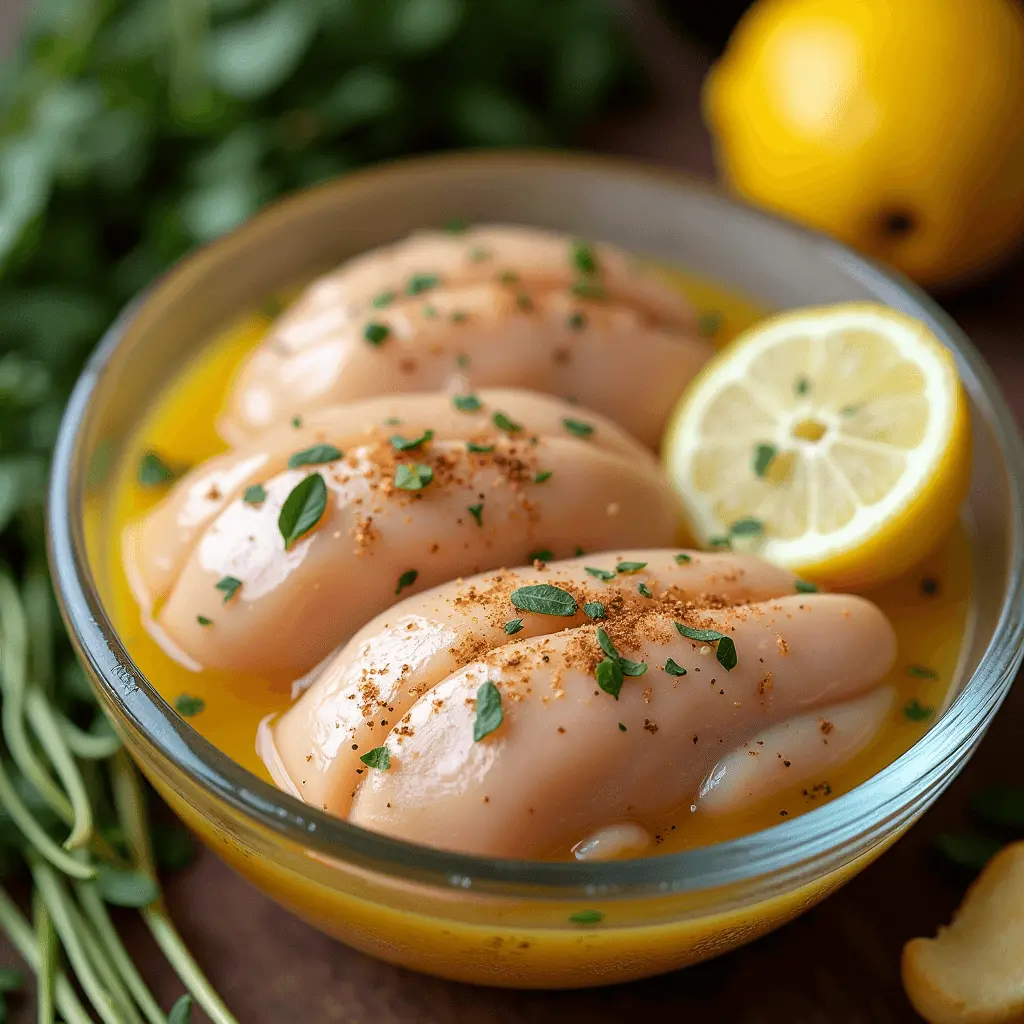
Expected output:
(577, 747)
(411, 491)
(493, 306)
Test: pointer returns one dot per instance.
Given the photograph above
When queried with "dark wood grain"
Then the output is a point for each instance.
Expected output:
(836, 965)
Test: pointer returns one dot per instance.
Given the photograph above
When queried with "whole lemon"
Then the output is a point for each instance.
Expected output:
(896, 125)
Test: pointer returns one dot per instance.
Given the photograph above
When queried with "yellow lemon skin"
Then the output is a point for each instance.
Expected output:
(895, 125)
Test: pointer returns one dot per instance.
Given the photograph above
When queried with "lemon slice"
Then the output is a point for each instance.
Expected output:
(834, 441)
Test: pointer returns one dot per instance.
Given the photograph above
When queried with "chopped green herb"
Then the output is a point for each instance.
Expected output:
(644, 590)
(502, 422)
(204, 621)
(508, 277)
(430, 312)
(477, 512)
(581, 254)
(228, 586)
(587, 916)
(302, 508)
(478, 254)
(921, 672)
(710, 323)
(488, 711)
(153, 471)
(967, 851)
(404, 444)
(544, 599)
(544, 555)
(188, 706)
(915, 711)
(720, 543)
(578, 427)
(462, 360)
(407, 579)
(673, 668)
(805, 587)
(413, 478)
(595, 610)
(544, 474)
(376, 333)
(1001, 806)
(622, 728)
(383, 300)
(524, 302)
(314, 456)
(683, 559)
(255, 494)
(801, 385)
(513, 626)
(609, 677)
(296, 422)
(467, 403)
(849, 410)
(460, 316)
(576, 321)
(392, 421)
(588, 290)
(726, 645)
(578, 552)
(379, 758)
(628, 567)
(480, 449)
(600, 574)
(629, 668)
(456, 226)
(763, 456)
(748, 527)
(420, 283)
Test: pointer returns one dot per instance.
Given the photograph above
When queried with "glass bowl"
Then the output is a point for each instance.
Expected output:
(494, 921)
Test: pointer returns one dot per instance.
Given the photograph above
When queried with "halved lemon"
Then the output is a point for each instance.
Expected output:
(834, 441)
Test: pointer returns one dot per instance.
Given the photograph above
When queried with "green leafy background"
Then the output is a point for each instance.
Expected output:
(131, 131)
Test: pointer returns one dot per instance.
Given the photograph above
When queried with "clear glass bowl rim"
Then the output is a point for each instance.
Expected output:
(811, 837)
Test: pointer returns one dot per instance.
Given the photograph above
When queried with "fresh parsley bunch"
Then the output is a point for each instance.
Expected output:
(130, 131)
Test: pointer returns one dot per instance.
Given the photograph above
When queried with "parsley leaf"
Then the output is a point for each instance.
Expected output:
(545, 474)
(228, 586)
(600, 574)
(404, 444)
(420, 283)
(376, 333)
(915, 711)
(673, 668)
(595, 610)
(302, 509)
(581, 254)
(502, 422)
(587, 916)
(921, 672)
(544, 599)
(379, 758)
(255, 495)
(188, 706)
(153, 471)
(513, 626)
(413, 478)
(489, 714)
(628, 567)
(477, 512)
(467, 403)
(644, 590)
(479, 449)
(578, 427)
(609, 677)
(407, 579)
(726, 645)
(804, 587)
(764, 454)
(683, 559)
(314, 456)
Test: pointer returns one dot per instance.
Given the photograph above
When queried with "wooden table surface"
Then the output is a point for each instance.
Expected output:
(836, 965)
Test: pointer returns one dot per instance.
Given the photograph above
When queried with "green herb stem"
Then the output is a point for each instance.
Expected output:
(95, 911)
(132, 812)
(20, 933)
(58, 904)
(47, 731)
(46, 972)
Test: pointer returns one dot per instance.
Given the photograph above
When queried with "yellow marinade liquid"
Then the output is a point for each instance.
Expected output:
(929, 607)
